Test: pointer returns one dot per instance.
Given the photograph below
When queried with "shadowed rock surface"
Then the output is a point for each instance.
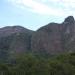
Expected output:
(14, 40)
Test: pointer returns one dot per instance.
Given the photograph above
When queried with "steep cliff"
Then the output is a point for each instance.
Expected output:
(55, 38)
(51, 39)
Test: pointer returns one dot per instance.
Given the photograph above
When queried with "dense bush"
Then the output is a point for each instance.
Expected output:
(30, 64)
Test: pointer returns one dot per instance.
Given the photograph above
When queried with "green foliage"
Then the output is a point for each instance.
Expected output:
(29, 64)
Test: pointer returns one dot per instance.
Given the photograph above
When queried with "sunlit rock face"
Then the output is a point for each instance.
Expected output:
(54, 38)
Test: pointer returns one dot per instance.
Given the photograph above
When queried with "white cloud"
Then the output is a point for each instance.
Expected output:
(39, 6)
(69, 1)
(66, 3)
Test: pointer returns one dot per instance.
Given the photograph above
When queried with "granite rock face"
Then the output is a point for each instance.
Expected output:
(55, 38)
(14, 40)
(48, 39)
(69, 34)
(51, 39)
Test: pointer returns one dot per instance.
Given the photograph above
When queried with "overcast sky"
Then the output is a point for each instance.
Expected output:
(33, 14)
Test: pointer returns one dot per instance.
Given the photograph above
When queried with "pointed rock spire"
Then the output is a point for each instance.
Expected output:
(69, 19)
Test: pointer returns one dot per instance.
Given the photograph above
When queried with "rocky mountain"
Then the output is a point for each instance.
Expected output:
(69, 34)
(51, 39)
(55, 38)
(14, 40)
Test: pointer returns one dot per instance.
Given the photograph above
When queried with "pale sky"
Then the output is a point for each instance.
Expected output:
(33, 14)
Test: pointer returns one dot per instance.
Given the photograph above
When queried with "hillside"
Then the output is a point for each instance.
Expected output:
(14, 40)
(30, 64)
(50, 39)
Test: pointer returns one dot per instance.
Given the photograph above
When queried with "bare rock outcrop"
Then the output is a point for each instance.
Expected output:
(55, 38)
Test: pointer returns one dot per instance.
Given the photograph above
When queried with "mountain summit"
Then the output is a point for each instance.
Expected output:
(69, 19)
(55, 38)
(51, 39)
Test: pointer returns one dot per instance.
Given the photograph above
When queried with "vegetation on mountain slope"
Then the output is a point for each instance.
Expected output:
(29, 64)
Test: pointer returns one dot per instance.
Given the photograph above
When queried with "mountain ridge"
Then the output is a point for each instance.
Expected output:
(52, 39)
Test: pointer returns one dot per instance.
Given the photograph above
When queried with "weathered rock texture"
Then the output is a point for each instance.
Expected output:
(55, 38)
(14, 40)
(51, 39)
(69, 34)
